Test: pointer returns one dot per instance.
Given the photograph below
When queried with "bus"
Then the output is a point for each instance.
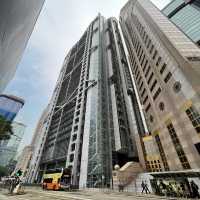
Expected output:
(58, 179)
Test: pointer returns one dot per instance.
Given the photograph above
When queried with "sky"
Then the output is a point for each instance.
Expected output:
(59, 26)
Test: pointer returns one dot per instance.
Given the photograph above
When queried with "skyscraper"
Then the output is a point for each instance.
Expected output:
(24, 160)
(17, 20)
(8, 148)
(165, 64)
(36, 143)
(92, 126)
(10, 106)
(186, 15)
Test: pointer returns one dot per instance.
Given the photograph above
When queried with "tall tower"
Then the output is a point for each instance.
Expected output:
(165, 64)
(17, 20)
(92, 123)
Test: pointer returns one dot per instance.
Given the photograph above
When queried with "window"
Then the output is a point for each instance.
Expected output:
(163, 68)
(197, 145)
(138, 53)
(143, 60)
(169, 75)
(76, 120)
(138, 73)
(155, 54)
(145, 65)
(79, 106)
(148, 107)
(153, 85)
(73, 146)
(151, 50)
(178, 147)
(141, 85)
(162, 153)
(139, 80)
(75, 128)
(156, 94)
(136, 77)
(150, 78)
(143, 92)
(146, 38)
(158, 61)
(194, 117)
(71, 158)
(147, 72)
(145, 99)
(74, 137)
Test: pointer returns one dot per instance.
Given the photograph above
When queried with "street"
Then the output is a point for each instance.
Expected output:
(32, 193)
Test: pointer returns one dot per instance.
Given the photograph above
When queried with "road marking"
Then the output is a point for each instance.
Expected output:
(66, 195)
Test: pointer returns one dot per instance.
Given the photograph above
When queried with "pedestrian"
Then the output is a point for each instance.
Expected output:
(146, 188)
(143, 186)
(195, 188)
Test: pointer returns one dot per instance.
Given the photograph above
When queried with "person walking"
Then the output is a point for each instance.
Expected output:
(143, 186)
(146, 188)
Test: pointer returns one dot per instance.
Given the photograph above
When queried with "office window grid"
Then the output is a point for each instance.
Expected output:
(194, 117)
(150, 78)
(153, 85)
(142, 32)
(154, 165)
(148, 107)
(162, 153)
(157, 94)
(163, 68)
(168, 76)
(178, 147)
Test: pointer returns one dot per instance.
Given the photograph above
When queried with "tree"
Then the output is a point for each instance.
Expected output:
(5, 128)
(3, 171)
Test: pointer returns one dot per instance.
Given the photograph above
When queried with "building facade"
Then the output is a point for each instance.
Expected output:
(36, 143)
(165, 65)
(17, 20)
(10, 106)
(9, 148)
(92, 124)
(23, 161)
(186, 15)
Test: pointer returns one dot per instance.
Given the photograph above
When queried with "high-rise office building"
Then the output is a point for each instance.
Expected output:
(23, 161)
(36, 143)
(186, 15)
(9, 148)
(165, 64)
(10, 106)
(17, 20)
(92, 124)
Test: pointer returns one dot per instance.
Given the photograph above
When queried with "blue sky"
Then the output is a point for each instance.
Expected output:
(59, 26)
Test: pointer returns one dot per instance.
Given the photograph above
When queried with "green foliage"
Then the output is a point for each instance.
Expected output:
(3, 171)
(19, 172)
(5, 128)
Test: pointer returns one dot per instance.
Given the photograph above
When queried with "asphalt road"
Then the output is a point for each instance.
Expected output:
(38, 194)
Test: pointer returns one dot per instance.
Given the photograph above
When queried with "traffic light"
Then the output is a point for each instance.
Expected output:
(18, 173)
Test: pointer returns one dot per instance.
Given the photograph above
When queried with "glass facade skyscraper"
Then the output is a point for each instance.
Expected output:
(17, 20)
(186, 15)
(10, 106)
(8, 148)
(92, 125)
